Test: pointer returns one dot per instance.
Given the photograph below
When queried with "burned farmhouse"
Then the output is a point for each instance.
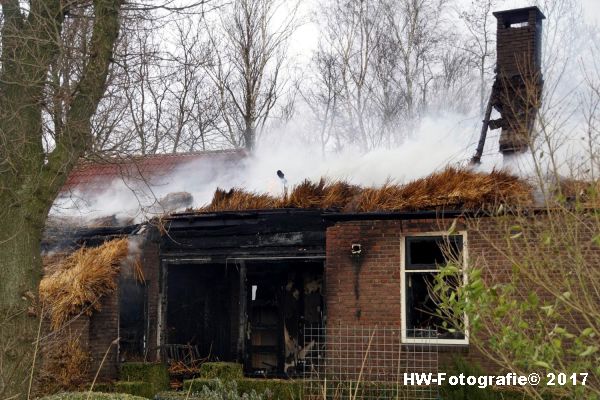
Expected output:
(251, 278)
(272, 281)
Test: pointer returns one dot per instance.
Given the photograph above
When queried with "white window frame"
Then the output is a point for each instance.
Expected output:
(403, 272)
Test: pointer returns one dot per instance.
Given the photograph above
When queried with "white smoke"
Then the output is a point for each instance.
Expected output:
(440, 141)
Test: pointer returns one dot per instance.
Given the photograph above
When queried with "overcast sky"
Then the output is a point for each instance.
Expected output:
(592, 9)
(308, 34)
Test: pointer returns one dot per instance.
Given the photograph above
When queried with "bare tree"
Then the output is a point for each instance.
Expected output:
(322, 96)
(349, 45)
(192, 114)
(56, 61)
(391, 59)
(248, 61)
(416, 28)
(480, 43)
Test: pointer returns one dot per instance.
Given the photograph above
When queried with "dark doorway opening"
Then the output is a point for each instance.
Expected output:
(199, 309)
(133, 311)
(253, 311)
(283, 297)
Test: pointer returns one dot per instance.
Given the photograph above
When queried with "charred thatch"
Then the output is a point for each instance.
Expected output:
(66, 364)
(237, 199)
(76, 282)
(452, 188)
(577, 192)
(323, 194)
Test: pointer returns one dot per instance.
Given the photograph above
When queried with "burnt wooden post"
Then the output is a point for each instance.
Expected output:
(162, 312)
(243, 299)
(484, 128)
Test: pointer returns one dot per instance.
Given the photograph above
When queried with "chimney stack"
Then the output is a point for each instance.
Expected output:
(517, 89)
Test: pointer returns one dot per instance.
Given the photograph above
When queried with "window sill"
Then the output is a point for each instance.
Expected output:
(439, 347)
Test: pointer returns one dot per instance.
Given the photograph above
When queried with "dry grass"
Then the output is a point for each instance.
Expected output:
(80, 280)
(66, 365)
(451, 188)
(138, 271)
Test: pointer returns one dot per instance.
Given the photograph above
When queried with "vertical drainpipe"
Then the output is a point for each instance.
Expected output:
(356, 266)
(242, 312)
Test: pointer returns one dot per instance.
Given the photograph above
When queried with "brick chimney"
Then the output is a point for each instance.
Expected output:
(517, 89)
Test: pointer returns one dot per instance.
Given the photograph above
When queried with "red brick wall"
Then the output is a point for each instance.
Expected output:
(104, 330)
(378, 269)
(379, 272)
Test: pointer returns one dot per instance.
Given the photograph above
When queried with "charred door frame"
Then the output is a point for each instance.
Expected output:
(165, 262)
(240, 261)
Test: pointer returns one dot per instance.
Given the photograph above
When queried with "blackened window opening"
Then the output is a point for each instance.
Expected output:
(280, 299)
(423, 257)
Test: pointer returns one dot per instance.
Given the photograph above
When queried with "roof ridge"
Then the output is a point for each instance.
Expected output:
(141, 157)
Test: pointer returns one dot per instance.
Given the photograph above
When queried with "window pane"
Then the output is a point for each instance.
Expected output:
(420, 308)
(428, 251)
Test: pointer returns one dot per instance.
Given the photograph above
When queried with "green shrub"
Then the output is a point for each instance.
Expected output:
(270, 388)
(222, 370)
(197, 384)
(104, 387)
(335, 389)
(136, 388)
(93, 396)
(214, 390)
(155, 373)
(146, 378)
(227, 391)
(276, 389)
(174, 396)
(460, 365)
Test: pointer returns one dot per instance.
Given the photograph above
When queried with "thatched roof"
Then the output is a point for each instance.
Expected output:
(452, 188)
(585, 193)
(75, 283)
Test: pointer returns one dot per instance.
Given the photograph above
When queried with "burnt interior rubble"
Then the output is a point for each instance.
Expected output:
(242, 286)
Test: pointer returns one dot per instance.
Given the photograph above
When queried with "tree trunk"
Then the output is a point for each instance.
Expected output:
(30, 179)
(249, 136)
(20, 261)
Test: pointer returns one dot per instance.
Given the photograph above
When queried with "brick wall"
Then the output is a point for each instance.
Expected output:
(377, 272)
(104, 330)
(520, 47)
(365, 289)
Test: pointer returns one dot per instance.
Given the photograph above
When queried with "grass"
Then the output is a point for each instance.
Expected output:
(94, 396)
